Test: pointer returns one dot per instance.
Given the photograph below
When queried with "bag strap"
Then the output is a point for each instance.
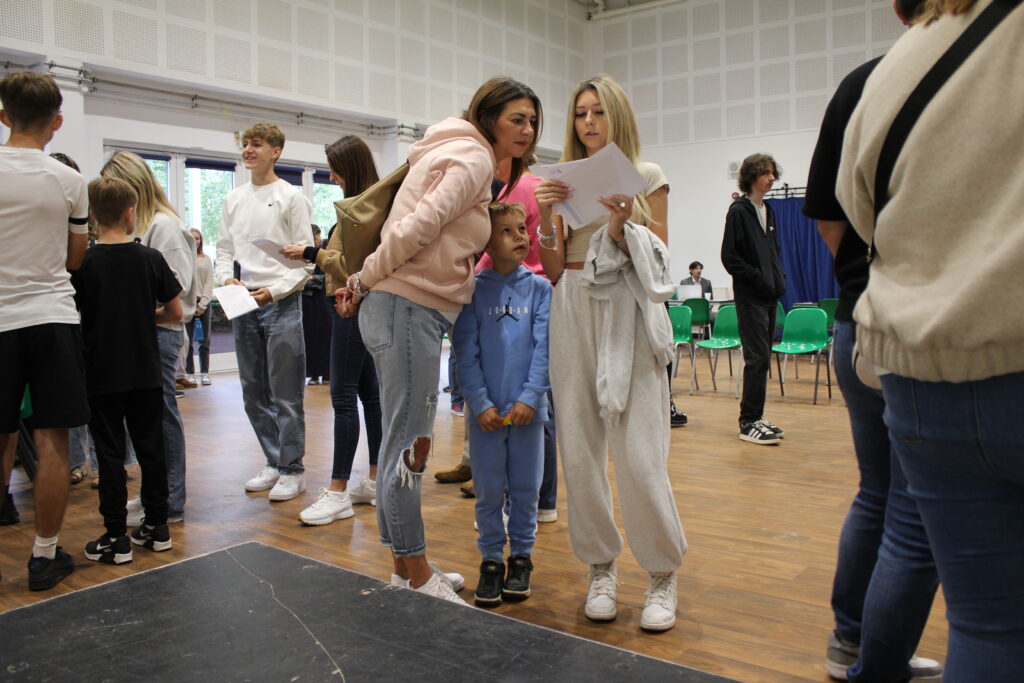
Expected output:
(962, 48)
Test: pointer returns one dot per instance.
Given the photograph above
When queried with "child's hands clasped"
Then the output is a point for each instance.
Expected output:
(520, 415)
(490, 420)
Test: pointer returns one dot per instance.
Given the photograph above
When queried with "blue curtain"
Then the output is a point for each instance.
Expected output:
(810, 272)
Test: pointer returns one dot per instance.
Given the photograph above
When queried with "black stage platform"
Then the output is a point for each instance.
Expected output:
(256, 613)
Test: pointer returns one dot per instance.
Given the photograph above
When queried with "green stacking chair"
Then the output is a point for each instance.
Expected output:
(700, 315)
(725, 337)
(806, 332)
(829, 306)
(682, 335)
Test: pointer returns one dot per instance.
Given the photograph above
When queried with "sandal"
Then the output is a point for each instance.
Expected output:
(78, 474)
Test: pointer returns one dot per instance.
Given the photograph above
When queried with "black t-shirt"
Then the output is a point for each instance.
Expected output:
(821, 203)
(117, 290)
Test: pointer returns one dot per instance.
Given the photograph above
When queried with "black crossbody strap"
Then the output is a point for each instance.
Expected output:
(937, 76)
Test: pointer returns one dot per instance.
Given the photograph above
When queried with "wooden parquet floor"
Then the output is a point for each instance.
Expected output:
(762, 525)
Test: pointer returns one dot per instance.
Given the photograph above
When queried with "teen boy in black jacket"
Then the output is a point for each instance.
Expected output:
(751, 255)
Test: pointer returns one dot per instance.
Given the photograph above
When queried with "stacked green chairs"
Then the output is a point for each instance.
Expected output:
(682, 335)
(806, 332)
(725, 337)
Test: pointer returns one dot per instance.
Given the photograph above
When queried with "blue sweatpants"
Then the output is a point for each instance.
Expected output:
(508, 459)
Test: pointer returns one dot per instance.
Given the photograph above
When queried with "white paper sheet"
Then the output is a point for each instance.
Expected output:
(235, 300)
(273, 249)
(606, 173)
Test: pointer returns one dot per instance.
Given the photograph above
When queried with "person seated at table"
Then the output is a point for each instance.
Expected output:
(696, 268)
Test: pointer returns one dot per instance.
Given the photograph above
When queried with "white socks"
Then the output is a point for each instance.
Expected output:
(45, 547)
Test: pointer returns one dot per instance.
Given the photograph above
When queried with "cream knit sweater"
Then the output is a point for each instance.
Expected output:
(943, 302)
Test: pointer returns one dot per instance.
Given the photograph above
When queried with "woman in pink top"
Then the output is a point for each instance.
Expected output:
(412, 288)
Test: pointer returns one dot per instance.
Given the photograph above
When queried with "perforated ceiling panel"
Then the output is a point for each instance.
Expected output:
(775, 116)
(349, 84)
(739, 85)
(79, 26)
(186, 49)
(773, 10)
(849, 30)
(707, 124)
(188, 9)
(739, 48)
(233, 14)
(275, 67)
(314, 76)
(22, 20)
(739, 13)
(739, 121)
(232, 59)
(706, 19)
(314, 29)
(275, 20)
(135, 38)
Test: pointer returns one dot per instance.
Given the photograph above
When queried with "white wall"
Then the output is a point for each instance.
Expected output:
(701, 191)
(416, 61)
(712, 81)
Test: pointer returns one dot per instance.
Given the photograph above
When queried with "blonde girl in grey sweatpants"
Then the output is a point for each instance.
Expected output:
(638, 437)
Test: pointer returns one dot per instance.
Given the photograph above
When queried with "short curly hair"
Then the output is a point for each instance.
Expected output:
(268, 132)
(754, 166)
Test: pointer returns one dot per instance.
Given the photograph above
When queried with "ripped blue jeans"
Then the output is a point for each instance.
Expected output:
(404, 339)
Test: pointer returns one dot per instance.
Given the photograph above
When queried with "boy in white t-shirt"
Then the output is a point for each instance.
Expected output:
(269, 344)
(43, 227)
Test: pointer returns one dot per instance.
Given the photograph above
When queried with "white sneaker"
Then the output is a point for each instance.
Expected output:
(288, 486)
(266, 479)
(365, 492)
(205, 380)
(134, 505)
(660, 603)
(190, 378)
(454, 578)
(601, 596)
(135, 517)
(439, 587)
(545, 516)
(329, 506)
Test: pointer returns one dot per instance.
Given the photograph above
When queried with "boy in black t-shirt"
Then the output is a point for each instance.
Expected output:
(117, 286)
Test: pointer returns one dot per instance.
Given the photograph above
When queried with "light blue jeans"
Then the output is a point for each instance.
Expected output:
(174, 430)
(404, 339)
(508, 459)
(271, 357)
(960, 447)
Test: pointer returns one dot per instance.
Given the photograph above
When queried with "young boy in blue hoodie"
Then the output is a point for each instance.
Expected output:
(501, 347)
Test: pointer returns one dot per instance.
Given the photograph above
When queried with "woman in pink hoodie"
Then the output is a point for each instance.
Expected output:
(412, 288)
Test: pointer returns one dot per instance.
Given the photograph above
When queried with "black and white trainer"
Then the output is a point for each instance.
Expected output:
(155, 538)
(759, 433)
(775, 429)
(492, 579)
(517, 581)
(109, 550)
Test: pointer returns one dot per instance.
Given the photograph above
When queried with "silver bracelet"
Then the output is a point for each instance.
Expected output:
(356, 286)
(550, 240)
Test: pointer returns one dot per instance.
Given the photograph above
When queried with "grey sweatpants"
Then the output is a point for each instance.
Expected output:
(638, 443)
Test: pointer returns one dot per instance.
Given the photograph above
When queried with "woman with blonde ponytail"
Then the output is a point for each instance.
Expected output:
(159, 227)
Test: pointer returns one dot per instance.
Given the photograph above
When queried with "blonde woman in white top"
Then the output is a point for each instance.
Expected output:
(633, 426)
(204, 292)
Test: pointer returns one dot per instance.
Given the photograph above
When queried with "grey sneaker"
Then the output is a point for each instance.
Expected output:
(841, 655)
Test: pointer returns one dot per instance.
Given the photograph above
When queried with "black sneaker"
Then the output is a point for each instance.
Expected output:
(488, 590)
(109, 550)
(676, 418)
(517, 582)
(758, 432)
(8, 512)
(156, 538)
(44, 573)
(774, 429)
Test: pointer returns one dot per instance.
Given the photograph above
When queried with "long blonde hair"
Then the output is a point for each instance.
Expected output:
(622, 130)
(136, 172)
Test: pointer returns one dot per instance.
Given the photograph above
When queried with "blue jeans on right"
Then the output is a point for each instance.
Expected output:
(960, 446)
(404, 339)
(885, 578)
(271, 357)
(509, 459)
(174, 429)
(353, 376)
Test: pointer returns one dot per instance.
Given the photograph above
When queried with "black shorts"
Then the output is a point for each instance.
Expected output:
(50, 359)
